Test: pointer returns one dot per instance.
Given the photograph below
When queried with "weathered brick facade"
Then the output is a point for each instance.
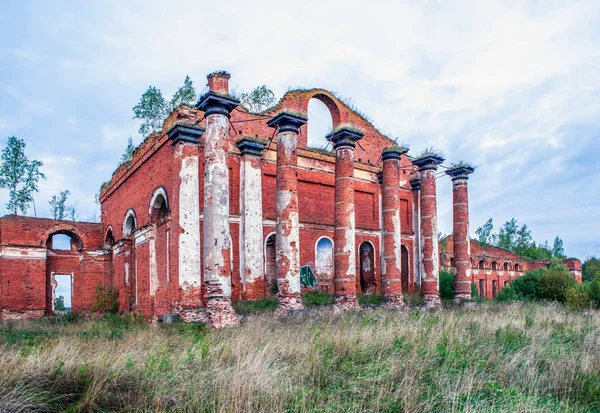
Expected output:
(228, 205)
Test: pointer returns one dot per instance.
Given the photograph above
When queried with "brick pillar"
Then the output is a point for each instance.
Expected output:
(185, 140)
(415, 183)
(344, 278)
(391, 264)
(287, 238)
(460, 232)
(217, 105)
(430, 287)
(251, 229)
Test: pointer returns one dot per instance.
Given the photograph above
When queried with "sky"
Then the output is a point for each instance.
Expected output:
(511, 86)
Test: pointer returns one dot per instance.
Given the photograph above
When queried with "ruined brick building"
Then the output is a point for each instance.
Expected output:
(226, 205)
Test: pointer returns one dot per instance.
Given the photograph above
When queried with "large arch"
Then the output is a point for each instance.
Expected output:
(320, 123)
(75, 242)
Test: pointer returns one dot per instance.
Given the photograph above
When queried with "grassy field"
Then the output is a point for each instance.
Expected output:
(509, 358)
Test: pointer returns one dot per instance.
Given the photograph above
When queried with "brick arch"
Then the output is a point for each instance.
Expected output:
(66, 229)
(328, 100)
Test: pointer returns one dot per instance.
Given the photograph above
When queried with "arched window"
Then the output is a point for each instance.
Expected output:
(517, 267)
(482, 264)
(506, 266)
(319, 124)
(130, 223)
(324, 259)
(367, 267)
(64, 241)
(109, 239)
(494, 265)
(159, 205)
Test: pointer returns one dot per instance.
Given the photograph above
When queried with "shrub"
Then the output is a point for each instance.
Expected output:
(594, 292)
(507, 294)
(446, 285)
(370, 299)
(554, 283)
(106, 300)
(524, 287)
(474, 291)
(578, 297)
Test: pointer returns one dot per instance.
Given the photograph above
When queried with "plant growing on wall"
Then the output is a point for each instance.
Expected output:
(19, 175)
(58, 205)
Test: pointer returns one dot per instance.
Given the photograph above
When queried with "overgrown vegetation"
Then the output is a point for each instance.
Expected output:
(258, 100)
(520, 241)
(106, 300)
(60, 209)
(500, 358)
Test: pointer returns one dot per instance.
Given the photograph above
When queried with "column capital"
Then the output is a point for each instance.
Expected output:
(344, 136)
(393, 152)
(184, 133)
(461, 171)
(428, 162)
(250, 146)
(287, 122)
(213, 103)
(415, 182)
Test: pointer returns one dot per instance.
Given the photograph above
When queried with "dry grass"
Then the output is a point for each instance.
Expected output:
(510, 358)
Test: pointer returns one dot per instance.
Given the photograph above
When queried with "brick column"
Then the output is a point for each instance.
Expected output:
(185, 140)
(251, 226)
(217, 105)
(287, 238)
(460, 232)
(391, 280)
(344, 278)
(430, 287)
(415, 183)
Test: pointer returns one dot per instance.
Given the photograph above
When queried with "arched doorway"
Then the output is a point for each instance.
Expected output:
(270, 266)
(367, 268)
(404, 268)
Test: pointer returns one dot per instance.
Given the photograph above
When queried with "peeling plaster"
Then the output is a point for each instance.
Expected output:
(397, 238)
(251, 257)
(189, 221)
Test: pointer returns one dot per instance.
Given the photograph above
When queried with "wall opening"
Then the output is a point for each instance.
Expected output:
(159, 206)
(109, 240)
(404, 268)
(482, 264)
(494, 265)
(482, 288)
(506, 266)
(319, 124)
(129, 225)
(517, 267)
(324, 261)
(494, 288)
(62, 293)
(270, 265)
(367, 268)
(64, 241)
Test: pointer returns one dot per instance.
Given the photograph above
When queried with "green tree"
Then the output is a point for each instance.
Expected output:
(590, 269)
(151, 110)
(485, 233)
(185, 95)
(523, 239)
(128, 154)
(19, 175)
(558, 250)
(259, 99)
(507, 235)
(58, 205)
(59, 303)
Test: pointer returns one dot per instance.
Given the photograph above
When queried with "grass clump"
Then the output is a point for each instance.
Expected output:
(370, 299)
(317, 298)
(255, 307)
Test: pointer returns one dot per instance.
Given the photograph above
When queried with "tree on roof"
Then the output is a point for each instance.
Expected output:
(259, 99)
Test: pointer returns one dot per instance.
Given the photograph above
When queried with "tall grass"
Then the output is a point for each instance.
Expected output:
(498, 358)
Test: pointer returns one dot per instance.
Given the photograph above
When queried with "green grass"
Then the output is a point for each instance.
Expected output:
(498, 358)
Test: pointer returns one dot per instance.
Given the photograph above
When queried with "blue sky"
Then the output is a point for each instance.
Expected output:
(511, 86)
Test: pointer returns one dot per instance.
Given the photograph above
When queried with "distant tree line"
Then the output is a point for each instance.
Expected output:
(519, 240)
